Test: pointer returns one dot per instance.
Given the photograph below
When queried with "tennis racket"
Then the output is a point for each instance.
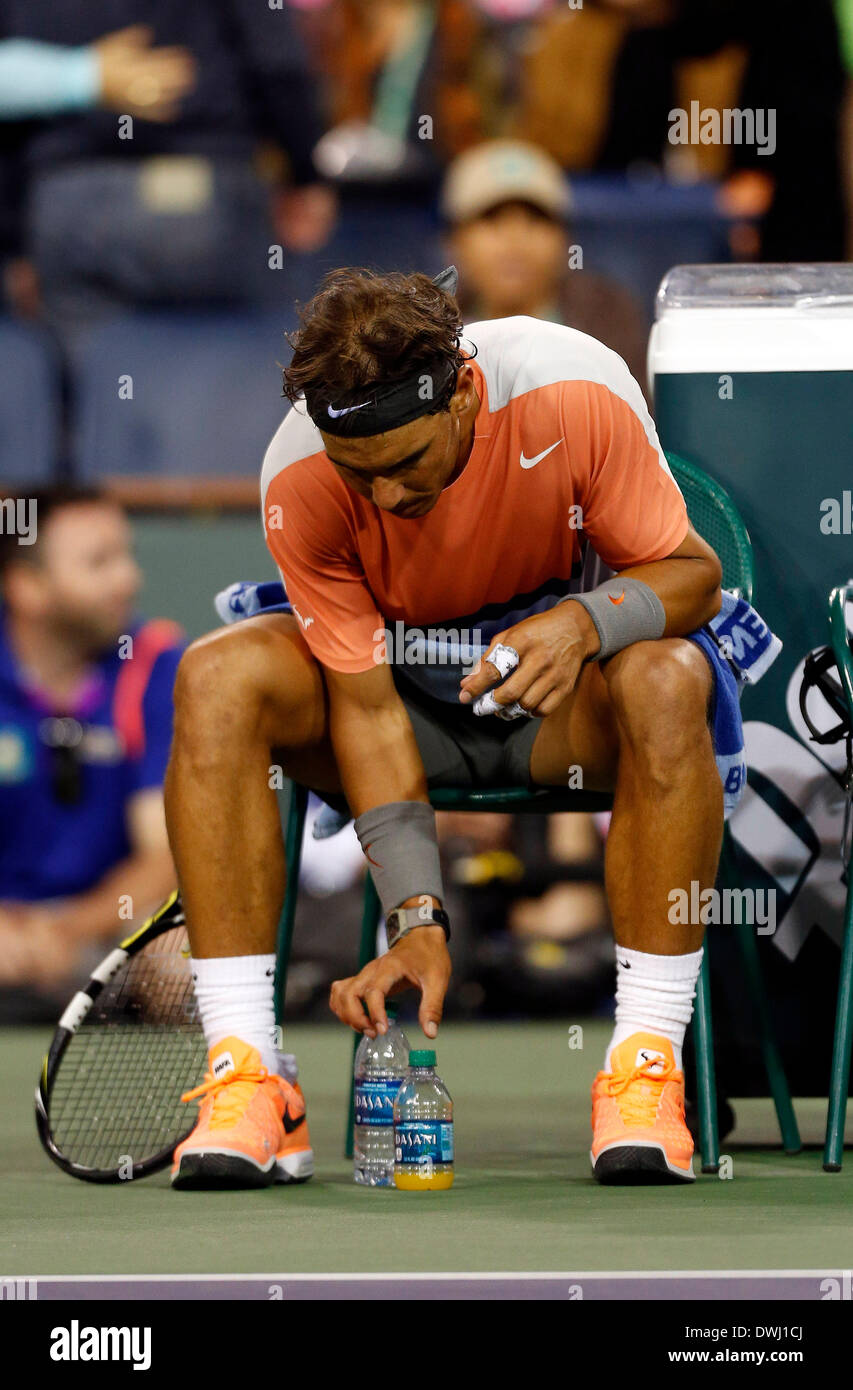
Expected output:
(108, 1102)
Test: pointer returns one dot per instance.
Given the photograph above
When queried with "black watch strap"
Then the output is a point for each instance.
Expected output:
(402, 920)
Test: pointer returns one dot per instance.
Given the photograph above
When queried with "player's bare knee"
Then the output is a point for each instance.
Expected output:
(218, 678)
(660, 692)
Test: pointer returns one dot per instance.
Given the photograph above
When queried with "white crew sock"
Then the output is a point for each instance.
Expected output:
(235, 1000)
(654, 994)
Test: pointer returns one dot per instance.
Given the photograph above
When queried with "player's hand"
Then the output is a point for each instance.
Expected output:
(551, 647)
(421, 959)
(140, 80)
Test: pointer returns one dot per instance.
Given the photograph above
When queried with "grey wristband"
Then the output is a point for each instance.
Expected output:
(401, 847)
(624, 611)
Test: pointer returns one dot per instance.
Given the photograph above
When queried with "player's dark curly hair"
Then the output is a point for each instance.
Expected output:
(363, 328)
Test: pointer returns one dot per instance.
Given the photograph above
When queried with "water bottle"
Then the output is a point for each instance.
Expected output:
(380, 1068)
(423, 1128)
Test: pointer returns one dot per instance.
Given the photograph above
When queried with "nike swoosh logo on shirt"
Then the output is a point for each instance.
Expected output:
(347, 410)
(620, 599)
(289, 1124)
(303, 622)
(531, 463)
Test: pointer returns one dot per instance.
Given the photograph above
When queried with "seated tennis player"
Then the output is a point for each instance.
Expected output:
(508, 488)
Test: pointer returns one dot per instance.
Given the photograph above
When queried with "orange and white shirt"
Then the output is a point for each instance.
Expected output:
(566, 482)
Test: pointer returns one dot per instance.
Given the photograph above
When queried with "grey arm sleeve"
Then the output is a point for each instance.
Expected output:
(624, 611)
(401, 847)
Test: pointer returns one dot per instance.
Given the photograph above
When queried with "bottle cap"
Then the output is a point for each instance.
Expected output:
(422, 1057)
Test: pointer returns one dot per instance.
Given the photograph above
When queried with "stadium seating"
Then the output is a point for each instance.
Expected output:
(29, 404)
(179, 395)
(631, 229)
(205, 384)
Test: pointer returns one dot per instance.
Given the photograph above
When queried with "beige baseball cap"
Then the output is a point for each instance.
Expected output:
(501, 171)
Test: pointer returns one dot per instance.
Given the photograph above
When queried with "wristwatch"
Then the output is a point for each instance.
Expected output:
(402, 920)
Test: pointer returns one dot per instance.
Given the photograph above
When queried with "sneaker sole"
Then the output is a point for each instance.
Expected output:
(638, 1165)
(295, 1167)
(223, 1168)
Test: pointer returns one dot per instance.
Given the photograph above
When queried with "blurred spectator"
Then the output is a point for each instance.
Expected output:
(508, 206)
(120, 72)
(514, 9)
(408, 85)
(527, 897)
(795, 67)
(85, 727)
(125, 210)
(598, 85)
(599, 82)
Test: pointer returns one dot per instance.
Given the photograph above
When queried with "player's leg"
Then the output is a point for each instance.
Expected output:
(240, 693)
(638, 726)
(648, 705)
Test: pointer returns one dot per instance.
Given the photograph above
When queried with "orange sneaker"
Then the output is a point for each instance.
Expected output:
(251, 1129)
(638, 1130)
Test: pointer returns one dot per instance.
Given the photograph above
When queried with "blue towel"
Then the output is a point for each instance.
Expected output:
(738, 644)
(244, 599)
(726, 724)
(740, 647)
(745, 638)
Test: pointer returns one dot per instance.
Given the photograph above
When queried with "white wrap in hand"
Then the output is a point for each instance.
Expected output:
(504, 659)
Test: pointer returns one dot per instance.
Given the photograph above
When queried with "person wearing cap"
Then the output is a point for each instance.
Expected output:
(507, 207)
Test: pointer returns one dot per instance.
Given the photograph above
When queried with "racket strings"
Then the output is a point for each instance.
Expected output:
(116, 1099)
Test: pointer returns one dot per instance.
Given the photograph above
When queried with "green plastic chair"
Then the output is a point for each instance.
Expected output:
(840, 1072)
(714, 516)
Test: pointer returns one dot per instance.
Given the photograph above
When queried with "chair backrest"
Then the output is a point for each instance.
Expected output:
(840, 638)
(714, 515)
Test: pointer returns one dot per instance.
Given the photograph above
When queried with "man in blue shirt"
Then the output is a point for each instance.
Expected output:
(85, 728)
